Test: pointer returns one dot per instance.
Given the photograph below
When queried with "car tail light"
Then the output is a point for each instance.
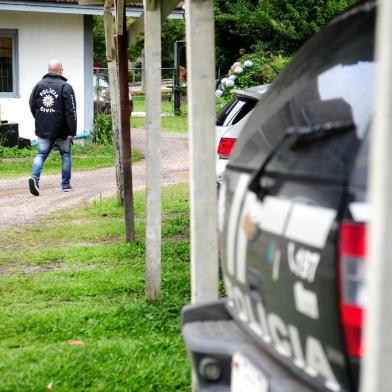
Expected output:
(225, 147)
(352, 269)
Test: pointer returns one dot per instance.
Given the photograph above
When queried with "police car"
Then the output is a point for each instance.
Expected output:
(292, 219)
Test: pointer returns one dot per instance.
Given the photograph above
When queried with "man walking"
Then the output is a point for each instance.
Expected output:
(53, 105)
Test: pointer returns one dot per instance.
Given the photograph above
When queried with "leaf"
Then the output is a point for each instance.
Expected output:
(75, 343)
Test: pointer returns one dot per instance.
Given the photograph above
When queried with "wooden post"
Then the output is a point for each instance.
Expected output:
(143, 82)
(120, 19)
(115, 107)
(176, 78)
(201, 100)
(152, 52)
(114, 97)
(376, 375)
(108, 25)
(122, 48)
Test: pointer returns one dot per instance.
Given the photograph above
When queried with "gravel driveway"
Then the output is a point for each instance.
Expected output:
(18, 206)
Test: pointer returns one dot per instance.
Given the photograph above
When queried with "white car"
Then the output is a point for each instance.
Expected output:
(230, 122)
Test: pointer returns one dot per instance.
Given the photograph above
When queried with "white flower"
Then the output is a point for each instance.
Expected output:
(248, 64)
(218, 93)
(233, 77)
(230, 83)
(224, 81)
(238, 70)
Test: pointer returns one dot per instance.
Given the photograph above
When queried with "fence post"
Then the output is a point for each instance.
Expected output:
(143, 71)
(152, 52)
(201, 103)
(176, 79)
(114, 96)
(122, 49)
(376, 375)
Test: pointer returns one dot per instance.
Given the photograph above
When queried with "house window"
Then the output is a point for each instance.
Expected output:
(8, 63)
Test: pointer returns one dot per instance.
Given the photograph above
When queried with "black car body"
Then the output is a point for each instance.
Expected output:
(292, 221)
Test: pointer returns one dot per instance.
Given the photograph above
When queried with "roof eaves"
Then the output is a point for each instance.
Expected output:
(134, 9)
(61, 6)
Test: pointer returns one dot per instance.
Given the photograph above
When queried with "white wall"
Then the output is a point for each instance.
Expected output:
(42, 37)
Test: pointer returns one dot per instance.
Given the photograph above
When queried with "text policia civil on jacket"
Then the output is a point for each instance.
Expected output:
(53, 105)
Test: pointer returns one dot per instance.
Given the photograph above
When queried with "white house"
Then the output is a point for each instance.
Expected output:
(34, 32)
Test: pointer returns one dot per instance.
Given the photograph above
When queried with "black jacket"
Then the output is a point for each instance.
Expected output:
(53, 105)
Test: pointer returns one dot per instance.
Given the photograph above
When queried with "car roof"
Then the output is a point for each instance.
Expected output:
(252, 92)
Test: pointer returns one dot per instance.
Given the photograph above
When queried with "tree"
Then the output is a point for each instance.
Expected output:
(275, 26)
(99, 44)
(264, 34)
(172, 30)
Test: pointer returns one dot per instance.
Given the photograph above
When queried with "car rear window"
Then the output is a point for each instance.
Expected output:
(234, 111)
(342, 95)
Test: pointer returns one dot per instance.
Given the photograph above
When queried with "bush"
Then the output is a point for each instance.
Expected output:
(250, 70)
(15, 152)
(102, 133)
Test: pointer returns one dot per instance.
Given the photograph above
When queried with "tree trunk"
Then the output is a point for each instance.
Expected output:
(114, 104)
(122, 50)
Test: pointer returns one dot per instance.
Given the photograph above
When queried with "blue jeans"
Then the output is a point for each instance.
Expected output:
(44, 148)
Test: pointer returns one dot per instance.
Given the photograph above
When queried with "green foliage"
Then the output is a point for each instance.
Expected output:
(103, 133)
(135, 50)
(15, 152)
(268, 32)
(278, 26)
(99, 43)
(172, 30)
(263, 71)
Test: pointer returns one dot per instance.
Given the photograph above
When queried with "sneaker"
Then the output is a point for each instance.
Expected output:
(68, 189)
(34, 187)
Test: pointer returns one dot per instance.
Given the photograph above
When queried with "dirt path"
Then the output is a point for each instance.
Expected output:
(18, 206)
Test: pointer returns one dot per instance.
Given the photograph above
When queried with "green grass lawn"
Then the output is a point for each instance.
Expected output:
(72, 280)
(168, 123)
(139, 105)
(83, 158)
